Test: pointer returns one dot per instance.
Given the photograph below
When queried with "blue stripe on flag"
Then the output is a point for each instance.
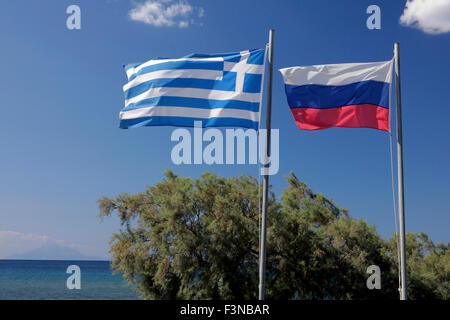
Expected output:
(226, 56)
(324, 97)
(184, 64)
(256, 56)
(187, 122)
(168, 101)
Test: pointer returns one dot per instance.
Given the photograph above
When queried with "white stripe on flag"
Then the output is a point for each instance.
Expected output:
(176, 73)
(239, 66)
(134, 70)
(338, 74)
(189, 112)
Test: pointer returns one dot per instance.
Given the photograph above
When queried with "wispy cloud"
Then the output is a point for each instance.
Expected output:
(13, 242)
(165, 13)
(430, 16)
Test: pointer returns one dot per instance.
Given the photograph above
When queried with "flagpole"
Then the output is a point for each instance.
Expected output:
(401, 197)
(262, 251)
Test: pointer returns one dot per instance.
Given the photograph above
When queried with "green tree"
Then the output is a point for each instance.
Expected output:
(319, 252)
(427, 267)
(189, 238)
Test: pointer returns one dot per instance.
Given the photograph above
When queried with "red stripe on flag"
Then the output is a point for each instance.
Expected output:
(354, 116)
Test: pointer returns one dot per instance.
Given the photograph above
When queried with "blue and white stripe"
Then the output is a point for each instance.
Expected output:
(218, 90)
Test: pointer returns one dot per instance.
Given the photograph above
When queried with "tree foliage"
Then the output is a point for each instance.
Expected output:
(189, 238)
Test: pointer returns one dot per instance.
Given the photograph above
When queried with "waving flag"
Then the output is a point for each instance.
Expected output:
(218, 90)
(354, 95)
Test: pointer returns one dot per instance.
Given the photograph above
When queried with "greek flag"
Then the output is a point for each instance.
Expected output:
(220, 90)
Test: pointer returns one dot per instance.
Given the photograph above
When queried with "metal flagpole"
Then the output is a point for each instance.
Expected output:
(401, 198)
(262, 251)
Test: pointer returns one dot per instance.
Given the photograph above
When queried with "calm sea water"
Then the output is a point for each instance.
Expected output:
(46, 279)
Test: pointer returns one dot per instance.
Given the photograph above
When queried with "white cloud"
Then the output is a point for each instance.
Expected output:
(13, 242)
(431, 16)
(164, 13)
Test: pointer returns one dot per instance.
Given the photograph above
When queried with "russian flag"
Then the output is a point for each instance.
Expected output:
(353, 95)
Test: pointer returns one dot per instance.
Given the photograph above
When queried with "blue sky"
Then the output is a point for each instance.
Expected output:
(61, 148)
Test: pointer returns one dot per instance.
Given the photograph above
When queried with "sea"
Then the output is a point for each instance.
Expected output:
(47, 280)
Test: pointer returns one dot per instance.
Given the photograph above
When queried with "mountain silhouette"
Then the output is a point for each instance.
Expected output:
(52, 252)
